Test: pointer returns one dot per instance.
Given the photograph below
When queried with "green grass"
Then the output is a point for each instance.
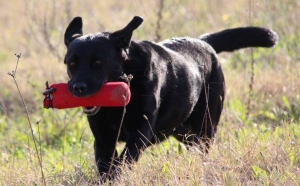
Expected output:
(261, 149)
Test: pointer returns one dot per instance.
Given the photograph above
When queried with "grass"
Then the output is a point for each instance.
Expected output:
(261, 149)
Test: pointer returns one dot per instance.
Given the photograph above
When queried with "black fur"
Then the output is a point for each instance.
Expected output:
(178, 86)
(237, 38)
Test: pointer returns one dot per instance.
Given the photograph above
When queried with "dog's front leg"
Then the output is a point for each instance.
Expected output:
(103, 156)
(104, 146)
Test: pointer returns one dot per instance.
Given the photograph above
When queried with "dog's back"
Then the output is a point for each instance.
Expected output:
(227, 40)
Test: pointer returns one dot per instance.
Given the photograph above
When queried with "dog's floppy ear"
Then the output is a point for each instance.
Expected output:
(122, 37)
(73, 31)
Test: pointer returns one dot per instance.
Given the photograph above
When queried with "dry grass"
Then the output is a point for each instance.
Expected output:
(262, 149)
(232, 163)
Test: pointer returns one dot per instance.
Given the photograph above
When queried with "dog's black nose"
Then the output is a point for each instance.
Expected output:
(79, 87)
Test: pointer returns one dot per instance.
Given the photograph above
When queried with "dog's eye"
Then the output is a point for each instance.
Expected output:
(72, 64)
(97, 63)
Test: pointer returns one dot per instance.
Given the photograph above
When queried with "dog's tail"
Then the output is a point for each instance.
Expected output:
(237, 38)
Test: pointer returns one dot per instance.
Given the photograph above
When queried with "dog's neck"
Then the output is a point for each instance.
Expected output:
(136, 63)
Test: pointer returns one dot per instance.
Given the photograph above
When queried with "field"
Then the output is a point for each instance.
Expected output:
(258, 139)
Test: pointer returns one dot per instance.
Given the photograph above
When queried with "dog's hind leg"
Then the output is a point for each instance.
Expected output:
(184, 133)
(201, 126)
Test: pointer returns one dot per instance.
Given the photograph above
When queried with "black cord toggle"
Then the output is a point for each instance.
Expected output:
(48, 95)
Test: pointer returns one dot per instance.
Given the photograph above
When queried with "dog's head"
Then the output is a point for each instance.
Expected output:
(95, 59)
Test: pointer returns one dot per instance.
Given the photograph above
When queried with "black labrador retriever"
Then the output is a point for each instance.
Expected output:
(177, 88)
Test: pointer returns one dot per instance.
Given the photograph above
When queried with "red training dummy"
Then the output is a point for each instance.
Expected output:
(111, 94)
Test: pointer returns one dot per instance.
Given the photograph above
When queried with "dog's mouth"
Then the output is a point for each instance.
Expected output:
(90, 111)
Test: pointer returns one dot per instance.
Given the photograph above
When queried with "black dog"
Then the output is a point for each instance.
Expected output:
(178, 86)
